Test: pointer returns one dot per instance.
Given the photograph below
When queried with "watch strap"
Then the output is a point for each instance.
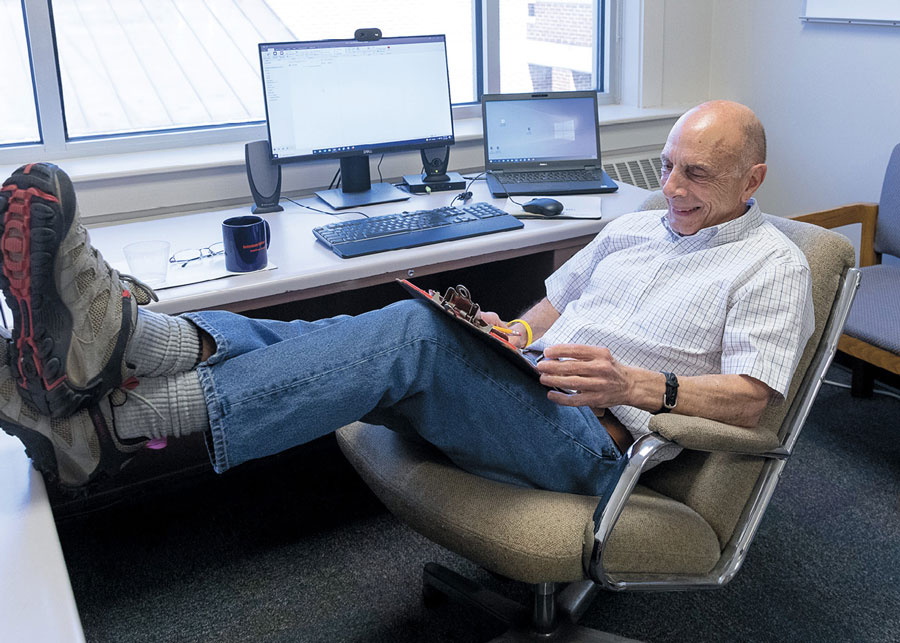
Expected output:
(670, 398)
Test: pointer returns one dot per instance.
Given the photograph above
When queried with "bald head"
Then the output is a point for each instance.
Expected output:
(732, 127)
(712, 163)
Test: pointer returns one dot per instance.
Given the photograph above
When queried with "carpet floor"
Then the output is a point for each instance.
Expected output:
(298, 549)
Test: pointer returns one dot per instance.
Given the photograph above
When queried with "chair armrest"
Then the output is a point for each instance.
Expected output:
(863, 213)
(694, 433)
(701, 434)
(637, 459)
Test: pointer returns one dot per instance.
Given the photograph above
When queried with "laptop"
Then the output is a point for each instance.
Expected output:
(543, 144)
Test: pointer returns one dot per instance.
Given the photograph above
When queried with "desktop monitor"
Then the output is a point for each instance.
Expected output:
(349, 99)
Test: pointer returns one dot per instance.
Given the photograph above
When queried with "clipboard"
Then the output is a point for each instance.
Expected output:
(457, 304)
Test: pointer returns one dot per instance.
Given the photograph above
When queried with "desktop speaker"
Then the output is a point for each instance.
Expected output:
(264, 177)
(435, 160)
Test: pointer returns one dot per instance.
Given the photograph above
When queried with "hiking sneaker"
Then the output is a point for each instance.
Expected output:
(74, 452)
(72, 313)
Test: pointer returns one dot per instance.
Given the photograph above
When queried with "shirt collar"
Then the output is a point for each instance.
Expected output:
(727, 232)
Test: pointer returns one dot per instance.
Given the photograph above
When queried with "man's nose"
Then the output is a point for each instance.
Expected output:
(672, 184)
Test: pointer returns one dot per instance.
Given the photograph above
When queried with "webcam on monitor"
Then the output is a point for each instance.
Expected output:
(366, 35)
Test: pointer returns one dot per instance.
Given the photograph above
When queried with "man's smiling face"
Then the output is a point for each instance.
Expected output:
(706, 179)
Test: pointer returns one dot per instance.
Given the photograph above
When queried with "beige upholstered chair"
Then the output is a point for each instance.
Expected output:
(684, 524)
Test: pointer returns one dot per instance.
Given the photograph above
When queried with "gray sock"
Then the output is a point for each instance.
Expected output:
(162, 345)
(160, 407)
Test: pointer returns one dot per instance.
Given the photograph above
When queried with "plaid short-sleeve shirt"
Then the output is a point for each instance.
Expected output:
(734, 298)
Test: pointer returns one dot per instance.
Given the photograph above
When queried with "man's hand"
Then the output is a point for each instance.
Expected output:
(540, 317)
(598, 379)
(517, 338)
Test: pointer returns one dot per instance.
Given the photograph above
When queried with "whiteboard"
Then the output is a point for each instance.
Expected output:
(872, 12)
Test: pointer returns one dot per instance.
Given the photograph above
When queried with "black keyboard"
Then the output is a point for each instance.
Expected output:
(549, 176)
(411, 229)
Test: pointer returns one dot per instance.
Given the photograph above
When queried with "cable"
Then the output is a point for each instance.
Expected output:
(505, 190)
(380, 179)
(466, 194)
(333, 179)
(331, 214)
(879, 391)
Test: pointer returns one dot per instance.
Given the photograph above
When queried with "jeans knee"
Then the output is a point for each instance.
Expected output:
(418, 319)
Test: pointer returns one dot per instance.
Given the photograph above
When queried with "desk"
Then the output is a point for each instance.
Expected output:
(36, 601)
(306, 268)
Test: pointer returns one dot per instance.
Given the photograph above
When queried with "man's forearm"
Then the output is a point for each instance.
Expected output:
(540, 317)
(734, 399)
(602, 382)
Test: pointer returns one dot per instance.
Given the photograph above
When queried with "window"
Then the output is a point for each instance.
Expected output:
(18, 115)
(131, 74)
(547, 46)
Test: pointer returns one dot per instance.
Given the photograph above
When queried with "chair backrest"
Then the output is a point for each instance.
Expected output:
(719, 486)
(887, 233)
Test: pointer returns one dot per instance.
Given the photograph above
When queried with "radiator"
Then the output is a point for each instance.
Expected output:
(640, 172)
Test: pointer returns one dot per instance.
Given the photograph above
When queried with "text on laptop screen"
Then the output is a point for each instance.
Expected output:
(541, 130)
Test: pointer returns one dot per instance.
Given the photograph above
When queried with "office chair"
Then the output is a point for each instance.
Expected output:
(685, 524)
(872, 333)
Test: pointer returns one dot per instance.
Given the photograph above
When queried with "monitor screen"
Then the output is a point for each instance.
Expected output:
(337, 98)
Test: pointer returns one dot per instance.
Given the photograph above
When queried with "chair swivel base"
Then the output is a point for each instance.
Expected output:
(537, 623)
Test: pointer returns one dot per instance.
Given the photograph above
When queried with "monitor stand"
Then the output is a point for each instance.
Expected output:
(357, 189)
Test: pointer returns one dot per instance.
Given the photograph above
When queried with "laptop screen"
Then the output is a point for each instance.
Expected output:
(541, 128)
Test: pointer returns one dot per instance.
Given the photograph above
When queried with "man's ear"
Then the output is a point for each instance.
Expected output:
(755, 178)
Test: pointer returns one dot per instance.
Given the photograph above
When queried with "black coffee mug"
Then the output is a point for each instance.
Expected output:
(246, 240)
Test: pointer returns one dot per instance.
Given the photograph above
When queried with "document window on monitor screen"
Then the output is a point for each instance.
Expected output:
(350, 99)
(324, 96)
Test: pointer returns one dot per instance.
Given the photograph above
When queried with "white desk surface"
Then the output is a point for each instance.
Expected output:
(36, 601)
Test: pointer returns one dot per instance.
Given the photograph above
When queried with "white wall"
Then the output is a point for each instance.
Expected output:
(687, 49)
(828, 96)
(666, 57)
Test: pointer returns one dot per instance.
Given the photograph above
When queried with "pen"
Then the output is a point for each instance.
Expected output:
(507, 331)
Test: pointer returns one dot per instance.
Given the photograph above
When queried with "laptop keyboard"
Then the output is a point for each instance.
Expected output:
(551, 176)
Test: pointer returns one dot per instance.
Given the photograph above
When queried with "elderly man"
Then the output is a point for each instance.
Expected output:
(701, 309)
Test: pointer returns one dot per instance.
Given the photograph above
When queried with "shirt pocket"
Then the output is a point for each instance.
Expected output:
(684, 312)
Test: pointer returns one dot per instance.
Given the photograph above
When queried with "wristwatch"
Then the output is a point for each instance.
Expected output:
(670, 399)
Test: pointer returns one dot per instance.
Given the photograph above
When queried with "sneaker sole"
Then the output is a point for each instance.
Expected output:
(34, 224)
(43, 457)
(39, 449)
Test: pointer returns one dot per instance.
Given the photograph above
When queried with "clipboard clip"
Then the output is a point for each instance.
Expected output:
(458, 301)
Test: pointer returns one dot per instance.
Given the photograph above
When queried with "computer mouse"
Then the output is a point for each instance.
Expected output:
(545, 207)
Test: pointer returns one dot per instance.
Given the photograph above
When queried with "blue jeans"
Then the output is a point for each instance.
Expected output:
(273, 385)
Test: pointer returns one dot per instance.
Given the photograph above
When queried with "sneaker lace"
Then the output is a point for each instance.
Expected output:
(147, 403)
(143, 294)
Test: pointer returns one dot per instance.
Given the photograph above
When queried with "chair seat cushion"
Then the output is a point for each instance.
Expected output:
(875, 315)
(494, 524)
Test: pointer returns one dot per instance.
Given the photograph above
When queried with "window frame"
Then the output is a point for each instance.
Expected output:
(47, 88)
